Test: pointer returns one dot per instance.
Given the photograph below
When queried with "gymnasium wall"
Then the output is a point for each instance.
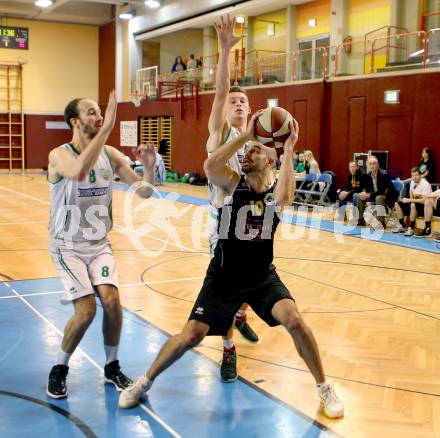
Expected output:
(260, 40)
(336, 119)
(357, 120)
(364, 17)
(320, 10)
(62, 63)
(107, 60)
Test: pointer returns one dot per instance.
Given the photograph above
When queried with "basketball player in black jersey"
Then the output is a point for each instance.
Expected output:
(241, 269)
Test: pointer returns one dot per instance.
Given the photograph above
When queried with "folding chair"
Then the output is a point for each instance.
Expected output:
(320, 196)
(399, 187)
(301, 193)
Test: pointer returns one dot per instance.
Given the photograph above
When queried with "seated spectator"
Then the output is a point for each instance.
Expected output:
(178, 65)
(378, 190)
(160, 169)
(356, 182)
(163, 146)
(295, 159)
(432, 208)
(199, 62)
(311, 165)
(192, 63)
(414, 205)
(427, 165)
(301, 166)
(129, 161)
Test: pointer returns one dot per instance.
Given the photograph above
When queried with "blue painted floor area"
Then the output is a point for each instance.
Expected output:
(189, 396)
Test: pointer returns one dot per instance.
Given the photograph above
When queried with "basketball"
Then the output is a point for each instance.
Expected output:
(272, 128)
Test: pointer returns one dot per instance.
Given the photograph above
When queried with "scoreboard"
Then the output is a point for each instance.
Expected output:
(14, 37)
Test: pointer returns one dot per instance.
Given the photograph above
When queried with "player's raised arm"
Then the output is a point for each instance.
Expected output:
(62, 164)
(285, 188)
(216, 165)
(144, 153)
(217, 119)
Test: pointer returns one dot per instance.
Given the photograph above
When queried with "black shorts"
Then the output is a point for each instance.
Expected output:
(406, 208)
(218, 303)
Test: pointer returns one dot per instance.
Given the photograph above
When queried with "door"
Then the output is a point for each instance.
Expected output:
(394, 134)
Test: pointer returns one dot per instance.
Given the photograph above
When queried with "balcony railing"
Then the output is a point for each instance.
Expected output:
(388, 52)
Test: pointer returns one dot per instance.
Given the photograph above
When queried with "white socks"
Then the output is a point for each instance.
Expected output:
(63, 358)
(228, 343)
(111, 353)
(320, 385)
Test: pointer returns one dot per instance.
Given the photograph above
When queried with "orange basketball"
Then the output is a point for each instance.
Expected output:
(272, 128)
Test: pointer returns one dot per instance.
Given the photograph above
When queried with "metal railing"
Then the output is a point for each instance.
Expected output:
(364, 56)
(388, 30)
(417, 39)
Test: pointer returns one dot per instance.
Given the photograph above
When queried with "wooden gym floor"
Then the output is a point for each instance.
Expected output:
(374, 307)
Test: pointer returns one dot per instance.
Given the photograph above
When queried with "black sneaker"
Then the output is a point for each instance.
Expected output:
(245, 329)
(426, 232)
(56, 386)
(113, 374)
(228, 369)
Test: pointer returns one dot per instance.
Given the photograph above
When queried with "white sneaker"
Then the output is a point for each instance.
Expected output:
(130, 396)
(398, 229)
(409, 232)
(333, 407)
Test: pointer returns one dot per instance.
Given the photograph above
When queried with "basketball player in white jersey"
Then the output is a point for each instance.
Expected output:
(81, 175)
(229, 114)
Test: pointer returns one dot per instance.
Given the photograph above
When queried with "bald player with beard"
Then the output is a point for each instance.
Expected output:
(228, 118)
(241, 270)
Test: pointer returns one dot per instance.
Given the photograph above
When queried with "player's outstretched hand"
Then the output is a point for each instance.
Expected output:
(250, 130)
(110, 113)
(225, 32)
(146, 154)
(293, 137)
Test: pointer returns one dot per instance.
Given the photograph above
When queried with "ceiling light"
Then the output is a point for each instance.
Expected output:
(239, 20)
(312, 22)
(154, 4)
(127, 15)
(43, 3)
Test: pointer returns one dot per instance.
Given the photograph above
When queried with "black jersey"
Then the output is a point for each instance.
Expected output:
(246, 228)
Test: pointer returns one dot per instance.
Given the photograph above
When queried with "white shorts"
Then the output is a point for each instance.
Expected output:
(81, 268)
(212, 229)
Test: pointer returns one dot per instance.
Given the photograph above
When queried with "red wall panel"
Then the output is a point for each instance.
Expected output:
(40, 141)
(336, 119)
(107, 60)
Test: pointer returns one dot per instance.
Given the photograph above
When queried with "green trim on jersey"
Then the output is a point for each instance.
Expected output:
(109, 159)
(67, 269)
(74, 149)
(229, 133)
(55, 182)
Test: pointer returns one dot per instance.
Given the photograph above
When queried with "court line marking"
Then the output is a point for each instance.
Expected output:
(24, 222)
(116, 227)
(87, 432)
(55, 292)
(307, 226)
(25, 195)
(125, 230)
(93, 362)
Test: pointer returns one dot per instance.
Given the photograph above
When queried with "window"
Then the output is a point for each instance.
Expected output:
(310, 61)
